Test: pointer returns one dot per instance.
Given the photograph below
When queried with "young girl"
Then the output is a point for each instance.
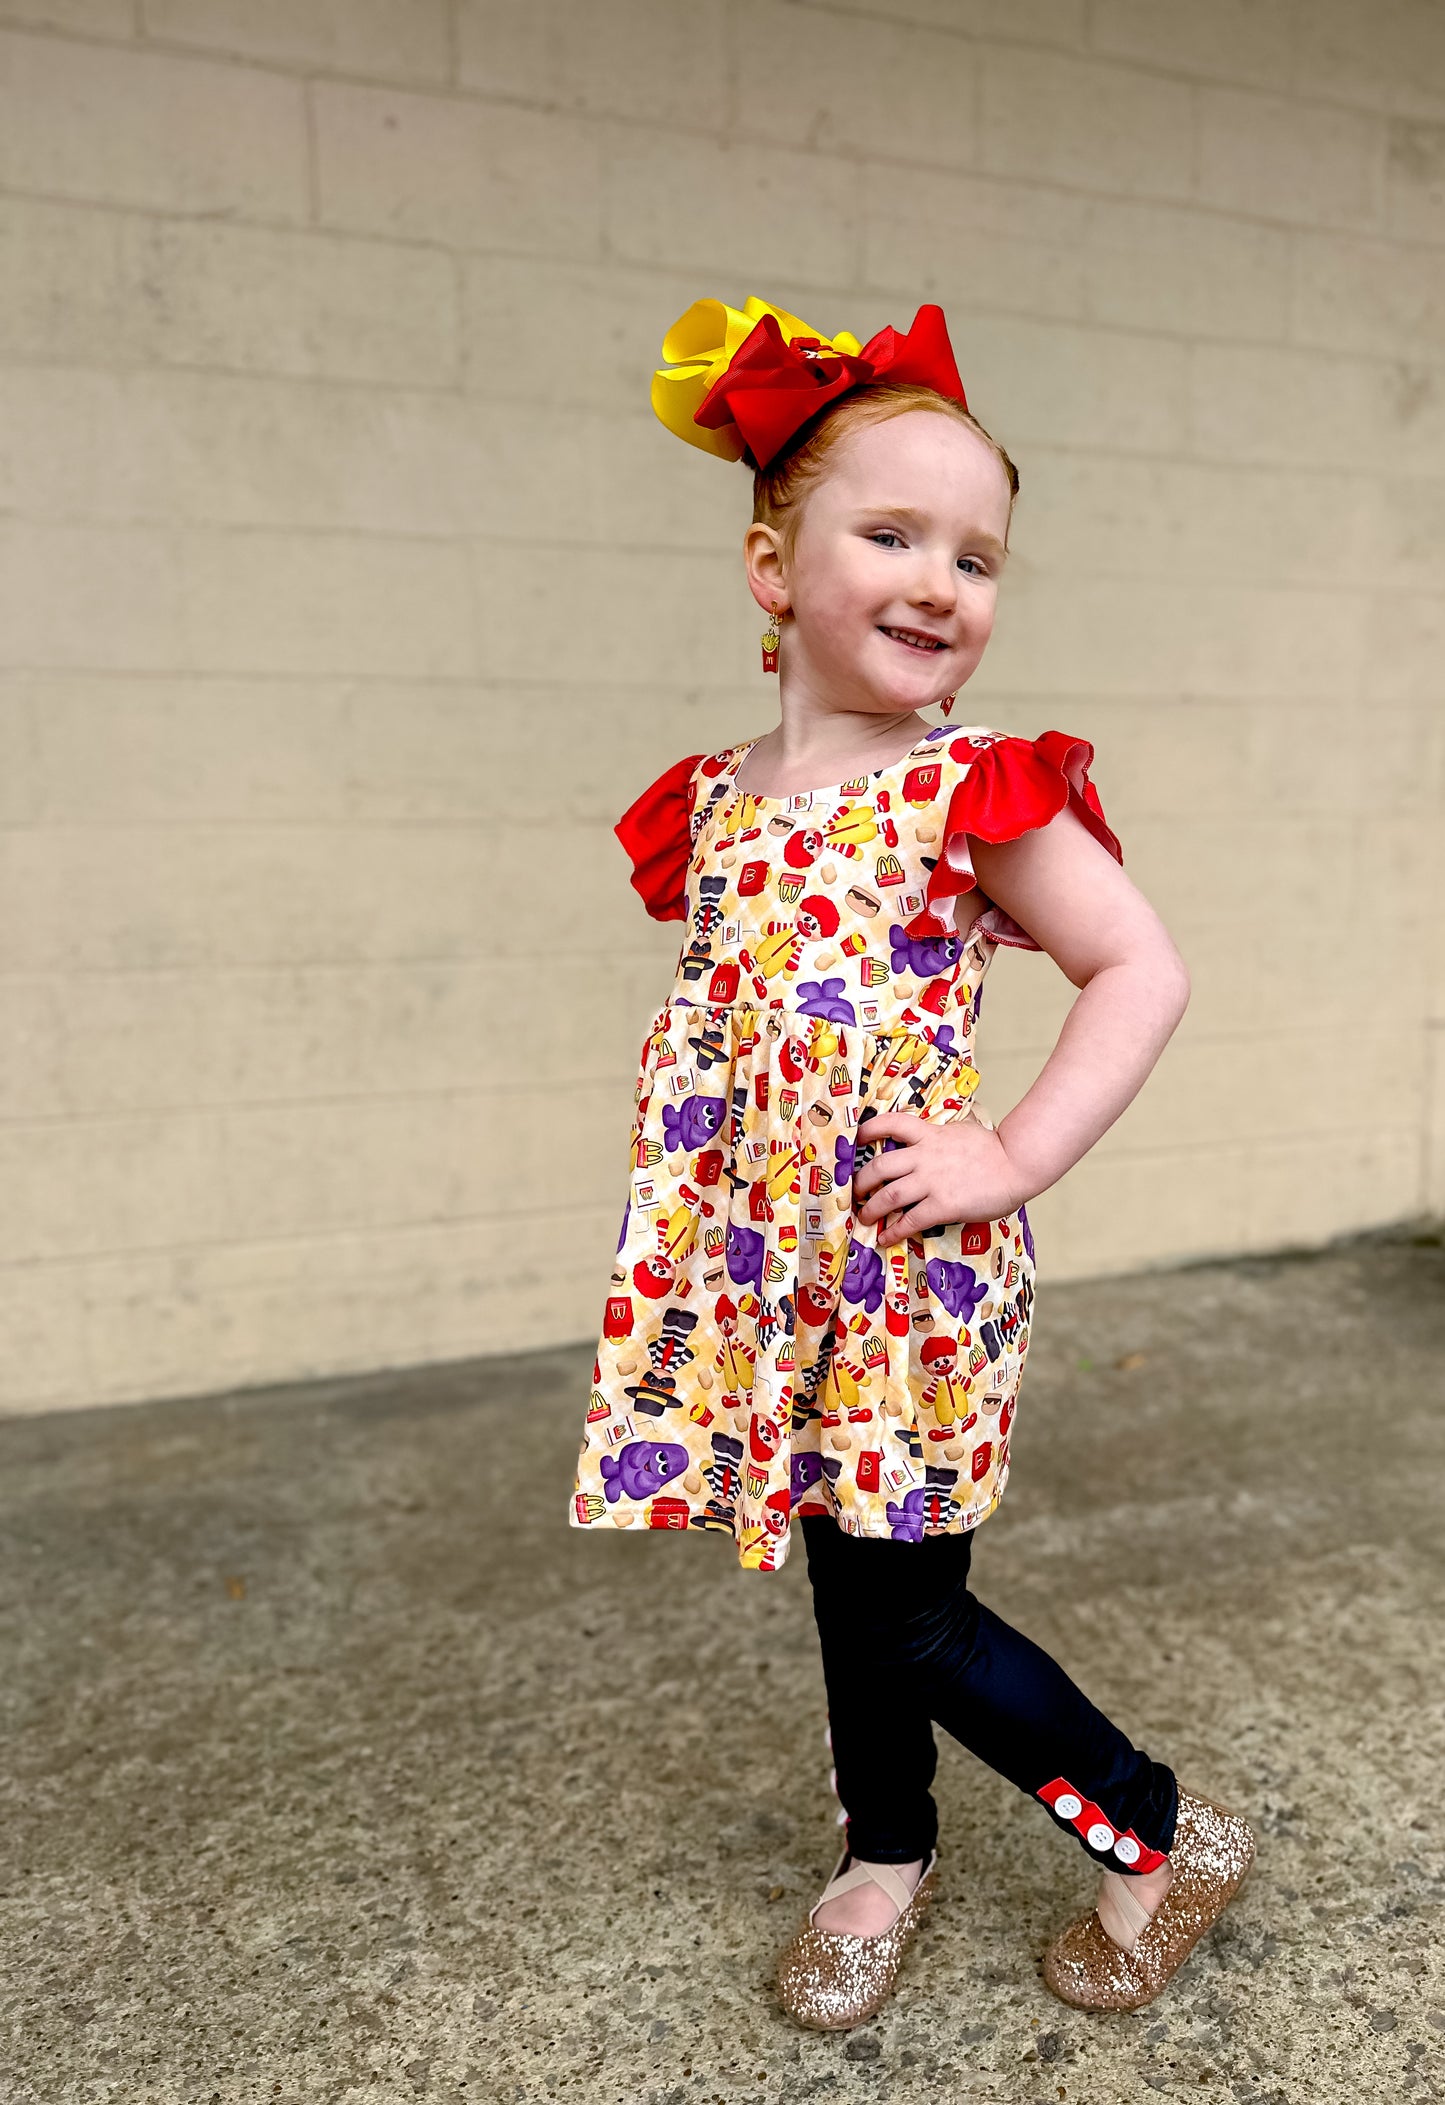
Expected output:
(803, 1323)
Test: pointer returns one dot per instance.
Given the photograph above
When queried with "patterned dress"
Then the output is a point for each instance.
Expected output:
(760, 1357)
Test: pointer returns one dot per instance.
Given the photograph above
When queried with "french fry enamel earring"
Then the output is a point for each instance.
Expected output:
(947, 703)
(771, 640)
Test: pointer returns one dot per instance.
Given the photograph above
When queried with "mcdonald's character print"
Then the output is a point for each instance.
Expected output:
(759, 1357)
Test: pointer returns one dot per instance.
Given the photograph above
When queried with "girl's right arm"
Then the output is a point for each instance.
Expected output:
(1060, 884)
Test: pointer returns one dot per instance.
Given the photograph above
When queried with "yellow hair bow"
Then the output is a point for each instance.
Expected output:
(699, 348)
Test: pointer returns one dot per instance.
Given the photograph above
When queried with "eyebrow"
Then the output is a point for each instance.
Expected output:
(979, 536)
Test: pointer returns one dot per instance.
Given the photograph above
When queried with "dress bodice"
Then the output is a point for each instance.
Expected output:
(803, 902)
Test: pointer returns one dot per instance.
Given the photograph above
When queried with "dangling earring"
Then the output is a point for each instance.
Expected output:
(771, 640)
(947, 703)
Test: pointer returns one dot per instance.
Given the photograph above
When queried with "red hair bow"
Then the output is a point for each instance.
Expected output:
(773, 385)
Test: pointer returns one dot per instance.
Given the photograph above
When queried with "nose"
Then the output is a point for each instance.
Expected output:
(935, 585)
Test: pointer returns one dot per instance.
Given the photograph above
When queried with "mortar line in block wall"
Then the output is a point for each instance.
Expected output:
(367, 1232)
(1266, 812)
(249, 223)
(646, 959)
(694, 695)
(998, 1043)
(203, 971)
(1432, 1137)
(622, 413)
(313, 156)
(241, 1108)
(454, 44)
(244, 1111)
(606, 255)
(579, 1218)
(201, 526)
(607, 686)
(850, 173)
(618, 1080)
(142, 42)
(467, 386)
(604, 258)
(160, 369)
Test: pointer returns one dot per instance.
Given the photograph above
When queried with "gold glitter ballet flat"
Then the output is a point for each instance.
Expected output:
(1210, 1853)
(828, 1980)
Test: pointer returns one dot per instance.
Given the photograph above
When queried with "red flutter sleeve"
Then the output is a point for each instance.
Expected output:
(1013, 786)
(654, 830)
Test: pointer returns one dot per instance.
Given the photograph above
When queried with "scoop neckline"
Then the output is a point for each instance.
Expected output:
(826, 789)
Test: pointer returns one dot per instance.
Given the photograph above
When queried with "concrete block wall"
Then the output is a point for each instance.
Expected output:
(348, 592)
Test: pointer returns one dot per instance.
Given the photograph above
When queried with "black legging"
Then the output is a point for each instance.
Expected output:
(906, 1644)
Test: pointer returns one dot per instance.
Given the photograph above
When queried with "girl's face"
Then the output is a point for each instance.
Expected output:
(894, 571)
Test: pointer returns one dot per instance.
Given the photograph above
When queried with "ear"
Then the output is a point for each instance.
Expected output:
(766, 567)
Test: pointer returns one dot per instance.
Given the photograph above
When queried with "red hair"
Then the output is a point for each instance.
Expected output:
(779, 489)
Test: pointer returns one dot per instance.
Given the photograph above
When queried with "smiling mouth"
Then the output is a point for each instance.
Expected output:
(914, 639)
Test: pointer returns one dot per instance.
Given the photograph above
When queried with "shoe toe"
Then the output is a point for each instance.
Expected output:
(1085, 1967)
(829, 1981)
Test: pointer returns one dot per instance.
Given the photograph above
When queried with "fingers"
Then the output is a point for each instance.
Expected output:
(888, 1162)
(899, 1227)
(869, 1182)
(900, 1196)
(887, 1122)
(889, 1188)
(879, 1137)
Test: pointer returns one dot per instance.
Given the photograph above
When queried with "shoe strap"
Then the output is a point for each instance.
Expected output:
(864, 1874)
(1128, 1903)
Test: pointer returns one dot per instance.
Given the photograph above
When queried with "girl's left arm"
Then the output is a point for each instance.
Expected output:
(1065, 888)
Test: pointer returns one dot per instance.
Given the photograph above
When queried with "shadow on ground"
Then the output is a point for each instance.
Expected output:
(339, 1768)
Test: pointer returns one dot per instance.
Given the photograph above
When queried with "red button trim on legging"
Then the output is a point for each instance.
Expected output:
(1098, 1830)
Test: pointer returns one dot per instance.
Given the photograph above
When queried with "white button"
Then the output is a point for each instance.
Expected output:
(1126, 1849)
(1100, 1837)
(1067, 1806)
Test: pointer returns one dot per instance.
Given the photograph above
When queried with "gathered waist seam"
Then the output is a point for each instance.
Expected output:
(896, 1024)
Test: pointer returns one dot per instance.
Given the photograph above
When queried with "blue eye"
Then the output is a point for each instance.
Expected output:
(981, 572)
(886, 534)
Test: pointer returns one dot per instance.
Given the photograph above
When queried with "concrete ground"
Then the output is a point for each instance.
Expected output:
(340, 1768)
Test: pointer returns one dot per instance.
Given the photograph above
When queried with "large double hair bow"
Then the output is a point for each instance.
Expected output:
(741, 382)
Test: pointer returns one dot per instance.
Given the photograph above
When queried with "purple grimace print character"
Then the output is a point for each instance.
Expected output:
(806, 1470)
(906, 1519)
(957, 1286)
(1028, 1233)
(640, 1468)
(924, 956)
(692, 1123)
(745, 1256)
(825, 998)
(863, 1276)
